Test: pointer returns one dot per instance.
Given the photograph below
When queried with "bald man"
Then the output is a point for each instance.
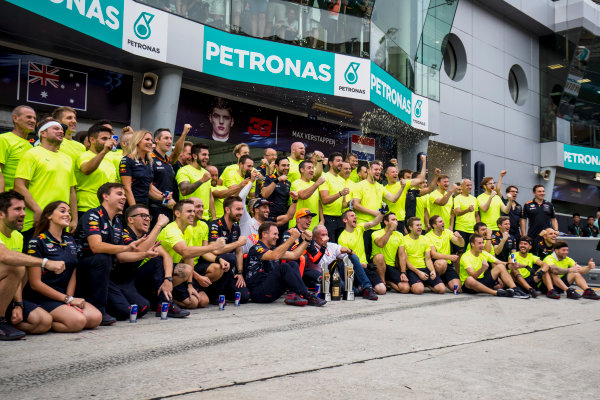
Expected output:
(298, 151)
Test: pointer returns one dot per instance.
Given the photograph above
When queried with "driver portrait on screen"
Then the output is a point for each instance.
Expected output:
(221, 119)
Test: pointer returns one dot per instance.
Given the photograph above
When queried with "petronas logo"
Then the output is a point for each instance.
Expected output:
(141, 28)
(351, 74)
(418, 105)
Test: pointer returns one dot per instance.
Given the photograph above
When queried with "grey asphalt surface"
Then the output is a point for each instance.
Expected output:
(425, 347)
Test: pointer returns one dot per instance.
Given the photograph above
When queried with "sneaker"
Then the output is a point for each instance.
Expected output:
(572, 294)
(590, 294)
(519, 293)
(174, 311)
(313, 300)
(369, 294)
(107, 319)
(9, 332)
(292, 299)
(553, 294)
(504, 293)
(511, 292)
(533, 293)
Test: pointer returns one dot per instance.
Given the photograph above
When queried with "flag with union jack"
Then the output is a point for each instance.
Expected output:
(56, 86)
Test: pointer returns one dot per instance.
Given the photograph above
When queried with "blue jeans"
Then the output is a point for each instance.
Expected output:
(360, 277)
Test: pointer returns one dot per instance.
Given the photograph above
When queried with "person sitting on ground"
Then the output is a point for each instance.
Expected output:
(54, 292)
(477, 276)
(352, 237)
(267, 278)
(504, 243)
(420, 268)
(183, 249)
(443, 260)
(569, 272)
(545, 244)
(388, 251)
(530, 270)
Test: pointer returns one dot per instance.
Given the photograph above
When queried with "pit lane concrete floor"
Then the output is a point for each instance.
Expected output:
(402, 346)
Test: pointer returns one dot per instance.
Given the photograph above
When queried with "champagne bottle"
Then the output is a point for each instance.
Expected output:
(336, 284)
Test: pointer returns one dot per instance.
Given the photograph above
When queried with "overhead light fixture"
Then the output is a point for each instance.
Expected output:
(556, 66)
(597, 176)
(584, 80)
(332, 110)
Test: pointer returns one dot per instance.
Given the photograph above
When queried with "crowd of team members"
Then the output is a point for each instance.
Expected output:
(151, 223)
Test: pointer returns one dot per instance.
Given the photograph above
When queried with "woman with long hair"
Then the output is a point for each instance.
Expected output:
(136, 170)
(54, 292)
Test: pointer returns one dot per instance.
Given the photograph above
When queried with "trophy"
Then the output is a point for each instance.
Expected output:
(349, 278)
(326, 282)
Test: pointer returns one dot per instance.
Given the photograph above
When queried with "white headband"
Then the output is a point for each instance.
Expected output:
(48, 125)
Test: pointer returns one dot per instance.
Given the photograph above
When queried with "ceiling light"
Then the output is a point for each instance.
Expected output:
(556, 66)
(584, 80)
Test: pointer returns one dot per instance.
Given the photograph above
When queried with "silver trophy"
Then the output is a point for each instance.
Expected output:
(349, 278)
(326, 283)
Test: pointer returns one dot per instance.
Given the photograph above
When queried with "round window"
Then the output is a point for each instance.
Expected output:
(455, 57)
(517, 84)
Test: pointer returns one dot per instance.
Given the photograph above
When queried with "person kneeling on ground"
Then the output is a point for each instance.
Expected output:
(530, 270)
(387, 252)
(441, 241)
(267, 278)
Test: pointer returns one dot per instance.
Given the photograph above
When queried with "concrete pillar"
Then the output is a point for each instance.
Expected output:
(160, 110)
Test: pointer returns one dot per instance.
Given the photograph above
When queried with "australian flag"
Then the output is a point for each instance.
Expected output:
(56, 86)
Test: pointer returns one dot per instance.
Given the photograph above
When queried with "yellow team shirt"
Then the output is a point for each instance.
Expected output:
(312, 203)
(50, 177)
(72, 148)
(399, 207)
(232, 177)
(422, 205)
(444, 211)
(416, 249)
(14, 242)
(468, 260)
(196, 236)
(170, 236)
(442, 242)
(12, 149)
(567, 262)
(355, 242)
(228, 169)
(218, 202)
(490, 217)
(354, 176)
(115, 158)
(465, 222)
(371, 196)
(351, 185)
(390, 250)
(294, 172)
(191, 174)
(529, 260)
(333, 185)
(87, 185)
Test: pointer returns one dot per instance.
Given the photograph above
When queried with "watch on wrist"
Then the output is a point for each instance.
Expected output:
(44, 262)
(17, 304)
(68, 299)
(168, 278)
(190, 283)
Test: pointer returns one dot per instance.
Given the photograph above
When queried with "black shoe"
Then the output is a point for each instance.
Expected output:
(534, 293)
(369, 294)
(590, 294)
(107, 319)
(313, 300)
(504, 293)
(572, 294)
(519, 293)
(511, 292)
(9, 332)
(174, 311)
(553, 294)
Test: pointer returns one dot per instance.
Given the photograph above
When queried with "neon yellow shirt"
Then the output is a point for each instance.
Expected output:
(355, 242)
(170, 236)
(191, 174)
(567, 262)
(333, 185)
(416, 249)
(390, 250)
(196, 236)
(12, 149)
(351, 185)
(312, 203)
(87, 185)
(465, 222)
(422, 205)
(468, 260)
(442, 242)
(354, 176)
(444, 211)
(50, 177)
(371, 196)
(218, 202)
(227, 170)
(399, 207)
(294, 172)
(115, 157)
(490, 217)
(232, 178)
(14, 242)
(530, 261)
(72, 148)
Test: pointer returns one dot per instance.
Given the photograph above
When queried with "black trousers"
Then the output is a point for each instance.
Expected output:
(226, 284)
(121, 296)
(334, 226)
(283, 276)
(92, 279)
